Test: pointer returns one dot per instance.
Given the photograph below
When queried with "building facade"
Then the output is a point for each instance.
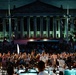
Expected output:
(37, 20)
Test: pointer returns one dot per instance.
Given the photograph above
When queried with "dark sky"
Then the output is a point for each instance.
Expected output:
(70, 3)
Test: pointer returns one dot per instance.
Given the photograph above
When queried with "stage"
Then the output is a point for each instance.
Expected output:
(25, 41)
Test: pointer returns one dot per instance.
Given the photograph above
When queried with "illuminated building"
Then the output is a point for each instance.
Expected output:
(37, 20)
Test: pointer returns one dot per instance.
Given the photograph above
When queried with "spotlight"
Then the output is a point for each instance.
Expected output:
(31, 39)
(45, 39)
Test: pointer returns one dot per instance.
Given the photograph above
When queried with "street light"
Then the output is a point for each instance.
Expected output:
(67, 24)
(9, 19)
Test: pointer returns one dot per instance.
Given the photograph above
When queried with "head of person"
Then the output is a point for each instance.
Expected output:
(10, 70)
(41, 66)
(61, 73)
(54, 71)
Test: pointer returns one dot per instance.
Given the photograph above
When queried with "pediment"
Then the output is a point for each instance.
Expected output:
(37, 7)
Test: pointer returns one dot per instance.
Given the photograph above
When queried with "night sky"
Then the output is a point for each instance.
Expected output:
(70, 3)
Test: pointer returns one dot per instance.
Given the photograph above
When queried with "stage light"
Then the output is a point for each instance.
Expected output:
(31, 39)
(45, 39)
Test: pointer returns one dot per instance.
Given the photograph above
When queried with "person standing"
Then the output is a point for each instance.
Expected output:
(41, 68)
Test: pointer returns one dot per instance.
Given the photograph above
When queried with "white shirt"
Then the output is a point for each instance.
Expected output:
(43, 73)
(43, 58)
(61, 62)
(53, 74)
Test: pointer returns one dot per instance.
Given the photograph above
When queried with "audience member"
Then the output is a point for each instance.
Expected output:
(10, 70)
(41, 68)
(61, 73)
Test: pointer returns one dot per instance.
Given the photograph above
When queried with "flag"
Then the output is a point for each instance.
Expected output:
(18, 50)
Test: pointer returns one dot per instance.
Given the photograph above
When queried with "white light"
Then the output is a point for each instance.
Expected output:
(45, 39)
(64, 16)
(31, 39)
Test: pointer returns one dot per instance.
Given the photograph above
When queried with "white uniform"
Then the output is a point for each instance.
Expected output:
(43, 58)
(43, 73)
(61, 63)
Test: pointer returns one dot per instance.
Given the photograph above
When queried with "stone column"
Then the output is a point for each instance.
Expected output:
(48, 26)
(4, 27)
(35, 26)
(28, 26)
(66, 28)
(41, 26)
(54, 27)
(72, 24)
(60, 24)
(22, 27)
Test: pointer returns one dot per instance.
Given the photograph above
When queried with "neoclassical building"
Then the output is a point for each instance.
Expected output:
(37, 20)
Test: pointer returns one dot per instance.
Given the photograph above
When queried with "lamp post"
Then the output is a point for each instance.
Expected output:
(9, 19)
(67, 24)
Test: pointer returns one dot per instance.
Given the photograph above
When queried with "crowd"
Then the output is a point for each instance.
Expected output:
(30, 60)
(55, 55)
